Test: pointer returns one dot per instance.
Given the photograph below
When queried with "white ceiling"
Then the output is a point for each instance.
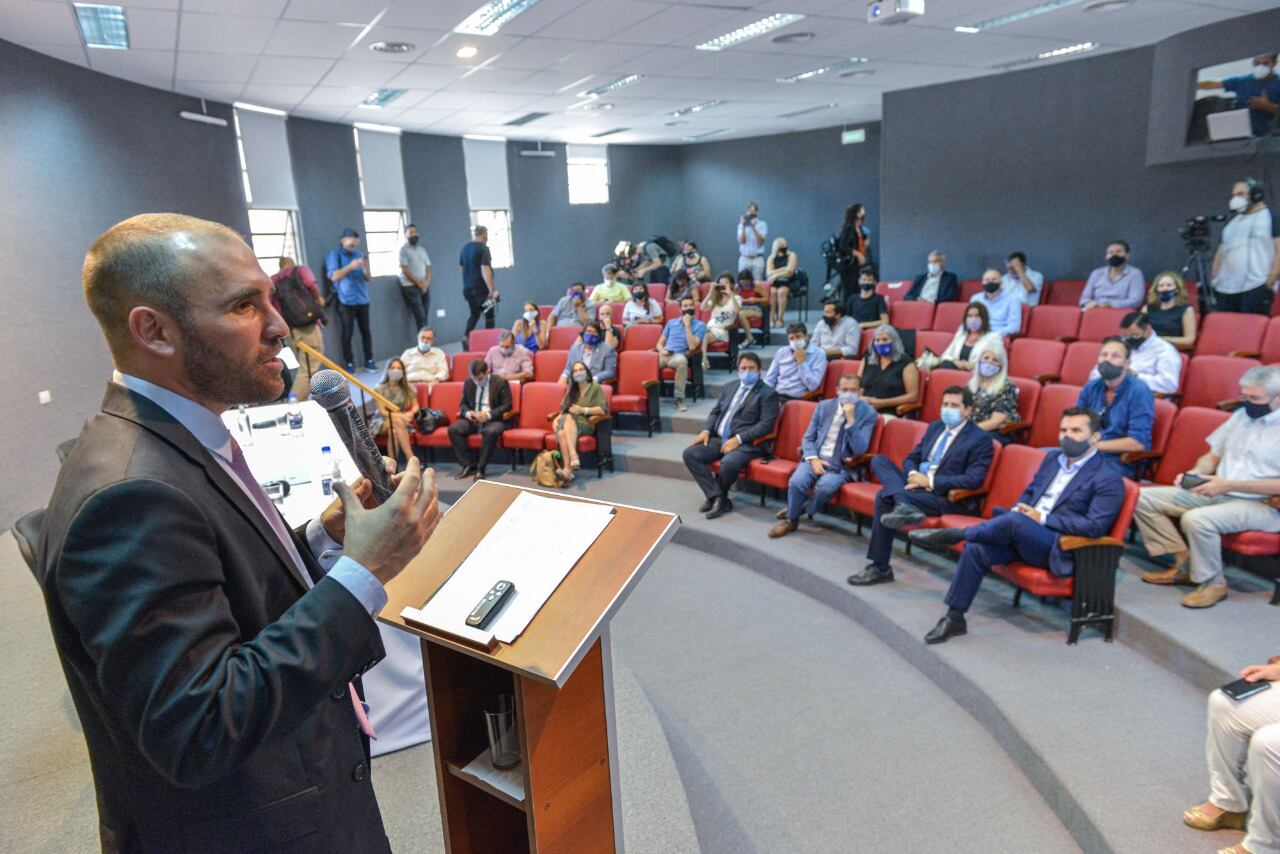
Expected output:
(311, 57)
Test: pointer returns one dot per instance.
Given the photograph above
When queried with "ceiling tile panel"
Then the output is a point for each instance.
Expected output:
(600, 19)
(29, 22)
(306, 38)
(293, 70)
(224, 33)
(149, 64)
(215, 67)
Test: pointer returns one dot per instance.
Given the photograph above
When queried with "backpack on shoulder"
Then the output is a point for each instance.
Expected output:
(298, 305)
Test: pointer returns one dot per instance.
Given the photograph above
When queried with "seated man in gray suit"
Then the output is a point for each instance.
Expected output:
(840, 428)
(745, 412)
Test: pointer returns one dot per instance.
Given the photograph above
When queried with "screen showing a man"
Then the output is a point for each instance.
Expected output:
(1246, 84)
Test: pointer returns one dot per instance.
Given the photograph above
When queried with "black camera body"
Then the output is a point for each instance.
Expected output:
(1195, 233)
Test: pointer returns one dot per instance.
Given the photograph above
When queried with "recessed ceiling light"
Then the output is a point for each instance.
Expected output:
(493, 16)
(675, 124)
(969, 30)
(1067, 51)
(851, 62)
(807, 110)
(1107, 5)
(696, 108)
(751, 31)
(379, 99)
(793, 38)
(698, 136)
(103, 26)
(611, 86)
(525, 119)
(609, 132)
(392, 47)
(858, 72)
(254, 108)
(1020, 15)
(594, 106)
(467, 51)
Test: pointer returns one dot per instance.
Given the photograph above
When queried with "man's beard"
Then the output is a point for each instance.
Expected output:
(215, 376)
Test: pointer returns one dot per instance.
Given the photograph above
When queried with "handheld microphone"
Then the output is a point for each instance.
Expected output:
(329, 389)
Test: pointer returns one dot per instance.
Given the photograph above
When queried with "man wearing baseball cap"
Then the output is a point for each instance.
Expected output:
(348, 269)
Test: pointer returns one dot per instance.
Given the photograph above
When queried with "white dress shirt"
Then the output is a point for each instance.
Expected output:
(833, 433)
(1157, 363)
(1013, 284)
(845, 337)
(929, 292)
(1247, 448)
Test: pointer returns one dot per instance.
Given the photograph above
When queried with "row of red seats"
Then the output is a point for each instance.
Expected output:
(1056, 292)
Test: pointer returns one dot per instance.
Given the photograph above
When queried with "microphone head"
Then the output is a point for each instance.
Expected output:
(329, 389)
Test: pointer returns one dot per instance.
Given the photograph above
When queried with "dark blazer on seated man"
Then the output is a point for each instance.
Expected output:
(743, 414)
(210, 678)
(948, 287)
(493, 394)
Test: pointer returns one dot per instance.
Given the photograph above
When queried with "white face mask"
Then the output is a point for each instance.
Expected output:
(1238, 203)
(797, 343)
(934, 268)
(530, 316)
(1261, 72)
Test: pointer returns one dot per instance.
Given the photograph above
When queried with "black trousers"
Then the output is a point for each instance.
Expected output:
(698, 459)
(348, 317)
(490, 432)
(476, 301)
(419, 304)
(1254, 301)
(894, 490)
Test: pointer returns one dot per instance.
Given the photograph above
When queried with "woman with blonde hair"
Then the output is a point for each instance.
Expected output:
(780, 273)
(995, 399)
(1172, 315)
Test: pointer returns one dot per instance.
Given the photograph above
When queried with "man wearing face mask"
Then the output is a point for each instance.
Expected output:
(867, 308)
(571, 309)
(610, 290)
(348, 269)
(839, 429)
(1151, 358)
(799, 369)
(744, 414)
(1124, 404)
(1022, 280)
(1117, 285)
(1004, 307)
(1232, 483)
(425, 363)
(681, 337)
(510, 360)
(594, 352)
(837, 336)
(1259, 91)
(415, 276)
(936, 284)
(1247, 263)
(954, 453)
(1073, 494)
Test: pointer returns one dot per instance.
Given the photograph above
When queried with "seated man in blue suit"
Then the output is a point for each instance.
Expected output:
(954, 453)
(840, 428)
(937, 285)
(1123, 402)
(1075, 493)
(745, 412)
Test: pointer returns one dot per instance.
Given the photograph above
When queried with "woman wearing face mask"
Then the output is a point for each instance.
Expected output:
(889, 377)
(721, 307)
(583, 399)
(641, 308)
(995, 399)
(867, 307)
(529, 329)
(399, 421)
(693, 262)
(780, 273)
(973, 336)
(1172, 316)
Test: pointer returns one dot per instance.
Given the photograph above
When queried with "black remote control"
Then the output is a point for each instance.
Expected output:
(482, 614)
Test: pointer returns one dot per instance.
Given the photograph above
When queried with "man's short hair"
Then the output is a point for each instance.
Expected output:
(1095, 420)
(939, 253)
(506, 333)
(479, 230)
(750, 357)
(869, 271)
(1266, 377)
(849, 376)
(745, 275)
(146, 260)
(1117, 339)
(1020, 255)
(682, 275)
(610, 268)
(478, 367)
(1138, 318)
(409, 226)
(797, 329)
(1123, 243)
(966, 396)
(425, 329)
(836, 304)
(592, 324)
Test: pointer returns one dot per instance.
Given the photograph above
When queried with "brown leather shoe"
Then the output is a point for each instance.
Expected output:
(781, 514)
(1204, 596)
(1176, 575)
(1196, 817)
(783, 528)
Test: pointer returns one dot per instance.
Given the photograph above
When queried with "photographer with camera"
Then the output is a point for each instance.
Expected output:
(751, 234)
(651, 260)
(477, 281)
(1247, 263)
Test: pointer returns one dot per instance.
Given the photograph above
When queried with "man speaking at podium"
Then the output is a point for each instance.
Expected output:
(210, 656)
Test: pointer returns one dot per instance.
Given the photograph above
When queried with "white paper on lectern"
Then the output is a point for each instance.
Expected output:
(533, 545)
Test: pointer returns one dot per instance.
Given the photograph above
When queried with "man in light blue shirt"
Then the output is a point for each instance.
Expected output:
(1117, 285)
(681, 336)
(1022, 280)
(1004, 307)
(799, 369)
(348, 269)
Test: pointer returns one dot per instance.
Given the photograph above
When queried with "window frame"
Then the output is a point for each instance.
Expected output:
(382, 256)
(593, 192)
(501, 250)
(291, 244)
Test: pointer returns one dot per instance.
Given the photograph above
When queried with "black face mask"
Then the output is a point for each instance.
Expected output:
(639, 295)
(1117, 260)
(866, 286)
(1073, 448)
(831, 321)
(690, 312)
(1167, 296)
(413, 240)
(1134, 341)
(1256, 410)
(1109, 371)
(991, 287)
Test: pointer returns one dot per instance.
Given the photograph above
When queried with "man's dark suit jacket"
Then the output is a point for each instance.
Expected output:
(965, 463)
(755, 416)
(211, 685)
(948, 287)
(499, 397)
(1088, 507)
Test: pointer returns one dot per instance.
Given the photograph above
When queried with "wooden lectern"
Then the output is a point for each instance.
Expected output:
(559, 671)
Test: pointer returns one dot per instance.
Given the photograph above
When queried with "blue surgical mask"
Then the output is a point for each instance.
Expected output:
(988, 369)
(423, 347)
(748, 378)
(847, 398)
(883, 348)
(579, 377)
(951, 416)
(575, 294)
(591, 339)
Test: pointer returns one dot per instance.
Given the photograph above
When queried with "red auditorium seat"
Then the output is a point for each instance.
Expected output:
(670, 310)
(1080, 360)
(1065, 292)
(642, 336)
(895, 291)
(532, 427)
(911, 315)
(600, 444)
(933, 339)
(930, 405)
(1099, 323)
(1007, 478)
(480, 340)
(959, 495)
(1275, 305)
(638, 385)
(447, 397)
(1029, 392)
(837, 368)
(1228, 333)
(657, 291)
(895, 441)
(776, 471)
(462, 367)
(1183, 445)
(1036, 359)
(1270, 350)
(1054, 322)
(544, 311)
(969, 287)
(1054, 398)
(1214, 380)
(548, 365)
(562, 337)
(1161, 426)
(947, 316)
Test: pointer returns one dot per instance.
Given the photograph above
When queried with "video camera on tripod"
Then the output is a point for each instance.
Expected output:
(1196, 237)
(1195, 233)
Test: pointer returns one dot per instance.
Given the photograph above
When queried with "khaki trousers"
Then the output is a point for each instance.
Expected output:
(1243, 754)
(309, 335)
(678, 362)
(1204, 521)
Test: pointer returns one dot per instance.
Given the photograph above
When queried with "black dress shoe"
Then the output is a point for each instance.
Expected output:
(946, 628)
(706, 505)
(480, 475)
(719, 507)
(871, 575)
(902, 516)
(937, 538)
(466, 472)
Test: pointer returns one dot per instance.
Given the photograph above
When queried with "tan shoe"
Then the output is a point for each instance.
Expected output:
(1177, 575)
(1196, 817)
(680, 407)
(782, 529)
(1204, 596)
(781, 514)
(1235, 849)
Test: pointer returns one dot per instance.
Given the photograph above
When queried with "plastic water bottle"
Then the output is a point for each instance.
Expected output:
(244, 427)
(295, 417)
(330, 470)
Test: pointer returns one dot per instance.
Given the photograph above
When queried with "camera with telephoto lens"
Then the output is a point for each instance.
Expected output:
(624, 256)
(489, 304)
(1195, 232)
